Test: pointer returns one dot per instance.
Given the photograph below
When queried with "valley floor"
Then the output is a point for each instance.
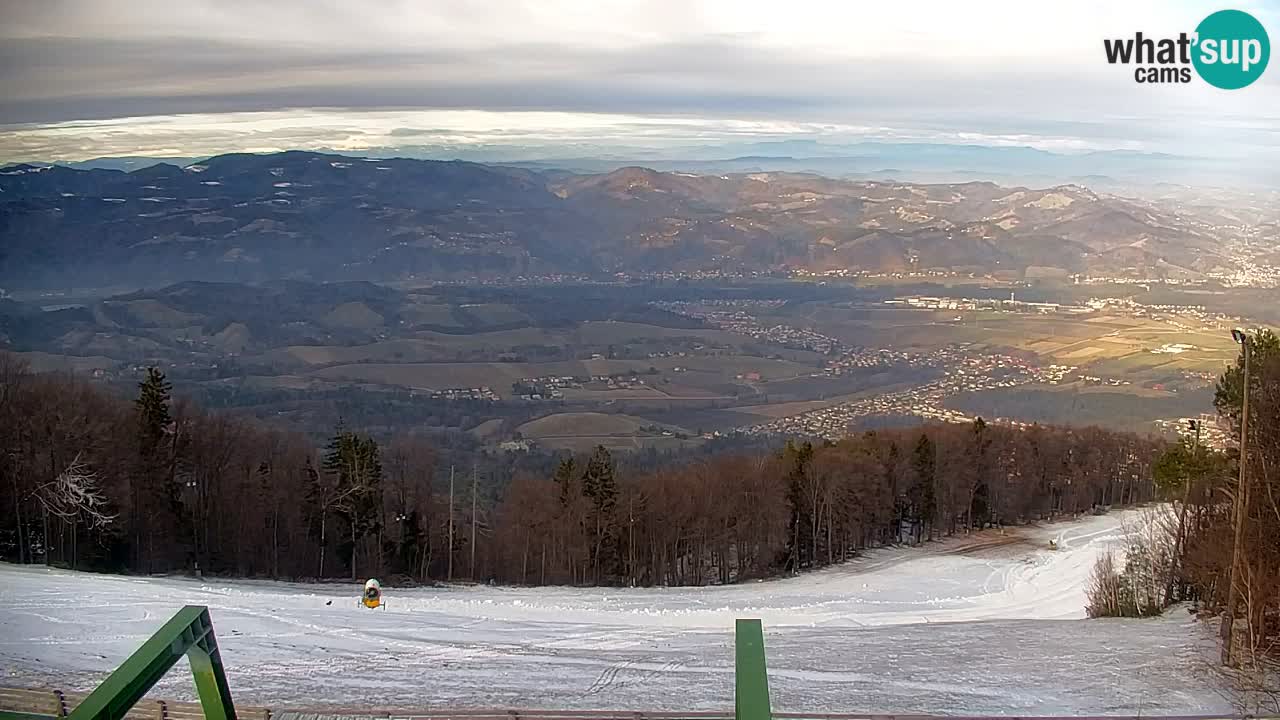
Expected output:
(977, 626)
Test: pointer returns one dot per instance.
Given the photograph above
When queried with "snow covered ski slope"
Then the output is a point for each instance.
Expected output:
(990, 627)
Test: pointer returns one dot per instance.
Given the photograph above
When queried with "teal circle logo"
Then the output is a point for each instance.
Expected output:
(1232, 49)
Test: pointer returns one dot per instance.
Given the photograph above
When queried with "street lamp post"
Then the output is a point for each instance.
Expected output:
(1241, 505)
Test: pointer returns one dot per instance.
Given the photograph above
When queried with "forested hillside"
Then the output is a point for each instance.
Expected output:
(245, 217)
(158, 485)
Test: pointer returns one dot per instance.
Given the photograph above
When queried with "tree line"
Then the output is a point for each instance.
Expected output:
(155, 484)
(1216, 517)
(742, 516)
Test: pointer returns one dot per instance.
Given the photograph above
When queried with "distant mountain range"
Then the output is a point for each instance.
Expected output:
(908, 162)
(304, 215)
(1116, 170)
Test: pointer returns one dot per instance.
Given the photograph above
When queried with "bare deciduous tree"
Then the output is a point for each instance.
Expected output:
(75, 494)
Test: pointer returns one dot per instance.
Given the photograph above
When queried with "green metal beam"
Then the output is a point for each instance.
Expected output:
(751, 678)
(189, 633)
(211, 681)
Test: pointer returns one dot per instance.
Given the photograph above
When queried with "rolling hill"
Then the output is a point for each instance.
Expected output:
(301, 215)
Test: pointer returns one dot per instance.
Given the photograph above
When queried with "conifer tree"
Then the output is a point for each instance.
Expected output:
(564, 478)
(923, 467)
(152, 408)
(154, 497)
(796, 461)
(977, 468)
(601, 488)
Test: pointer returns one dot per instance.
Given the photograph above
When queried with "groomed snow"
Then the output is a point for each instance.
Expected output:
(965, 626)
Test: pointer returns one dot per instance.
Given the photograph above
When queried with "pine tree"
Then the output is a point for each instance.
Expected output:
(796, 460)
(152, 408)
(598, 482)
(923, 467)
(601, 488)
(154, 495)
(978, 466)
(892, 480)
(564, 478)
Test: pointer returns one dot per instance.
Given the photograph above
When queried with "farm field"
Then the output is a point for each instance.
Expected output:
(459, 357)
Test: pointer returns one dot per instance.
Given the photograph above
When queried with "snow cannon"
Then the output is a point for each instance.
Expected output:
(372, 595)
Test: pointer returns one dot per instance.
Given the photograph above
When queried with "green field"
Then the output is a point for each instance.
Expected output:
(1113, 407)
(572, 424)
(1099, 343)
(434, 314)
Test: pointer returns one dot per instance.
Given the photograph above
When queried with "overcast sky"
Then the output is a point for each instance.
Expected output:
(88, 78)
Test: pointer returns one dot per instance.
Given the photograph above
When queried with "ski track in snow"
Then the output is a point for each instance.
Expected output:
(998, 630)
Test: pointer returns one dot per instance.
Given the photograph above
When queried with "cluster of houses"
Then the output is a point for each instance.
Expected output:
(552, 387)
(476, 393)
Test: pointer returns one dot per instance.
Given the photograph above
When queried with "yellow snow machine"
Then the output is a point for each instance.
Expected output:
(372, 597)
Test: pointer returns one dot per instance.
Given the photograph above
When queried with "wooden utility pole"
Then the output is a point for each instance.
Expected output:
(474, 477)
(1241, 508)
(450, 572)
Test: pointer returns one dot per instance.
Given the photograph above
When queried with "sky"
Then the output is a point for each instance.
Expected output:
(92, 78)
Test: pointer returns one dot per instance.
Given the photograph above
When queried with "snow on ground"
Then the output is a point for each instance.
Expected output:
(962, 626)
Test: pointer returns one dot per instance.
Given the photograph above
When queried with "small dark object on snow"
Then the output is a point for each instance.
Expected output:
(329, 603)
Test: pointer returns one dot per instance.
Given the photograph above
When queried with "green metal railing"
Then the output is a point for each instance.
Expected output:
(751, 680)
(189, 633)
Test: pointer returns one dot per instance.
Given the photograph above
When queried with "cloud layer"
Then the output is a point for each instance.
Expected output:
(226, 75)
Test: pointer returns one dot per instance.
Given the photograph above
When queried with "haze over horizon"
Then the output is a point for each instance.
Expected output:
(86, 79)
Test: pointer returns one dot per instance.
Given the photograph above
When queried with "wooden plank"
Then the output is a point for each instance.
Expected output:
(28, 697)
(44, 702)
(50, 702)
(27, 707)
(41, 696)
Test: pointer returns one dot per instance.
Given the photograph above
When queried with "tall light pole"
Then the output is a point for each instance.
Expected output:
(1241, 504)
(474, 478)
(449, 576)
